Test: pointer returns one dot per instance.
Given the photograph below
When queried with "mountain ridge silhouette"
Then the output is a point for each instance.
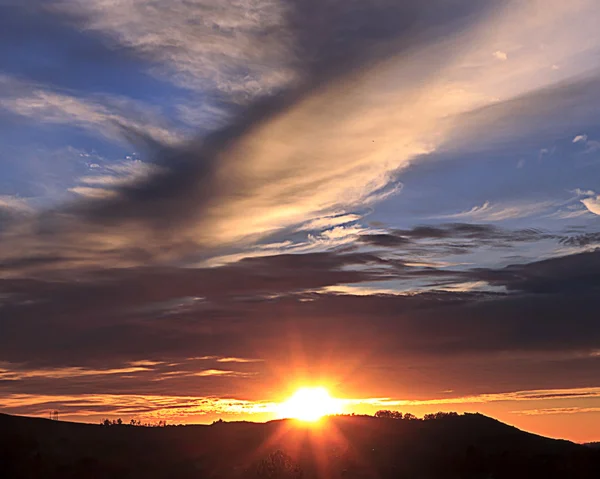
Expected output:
(469, 446)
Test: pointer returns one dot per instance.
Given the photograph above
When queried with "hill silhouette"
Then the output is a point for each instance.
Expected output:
(470, 446)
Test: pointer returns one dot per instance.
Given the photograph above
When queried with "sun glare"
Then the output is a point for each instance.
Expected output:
(310, 404)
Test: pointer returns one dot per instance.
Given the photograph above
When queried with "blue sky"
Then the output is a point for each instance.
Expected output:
(391, 150)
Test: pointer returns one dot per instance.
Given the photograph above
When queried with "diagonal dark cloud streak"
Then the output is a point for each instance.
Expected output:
(331, 40)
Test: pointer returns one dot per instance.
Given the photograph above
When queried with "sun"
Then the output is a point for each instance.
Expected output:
(309, 404)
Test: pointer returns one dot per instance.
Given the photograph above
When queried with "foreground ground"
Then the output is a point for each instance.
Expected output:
(469, 446)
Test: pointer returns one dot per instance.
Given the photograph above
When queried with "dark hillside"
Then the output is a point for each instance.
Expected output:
(469, 446)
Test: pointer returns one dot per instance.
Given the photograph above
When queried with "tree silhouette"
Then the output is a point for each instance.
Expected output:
(387, 414)
(439, 415)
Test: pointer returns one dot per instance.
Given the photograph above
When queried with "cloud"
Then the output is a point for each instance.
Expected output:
(243, 182)
(287, 159)
(104, 181)
(240, 49)
(591, 145)
(580, 192)
(218, 372)
(494, 124)
(585, 239)
(425, 246)
(489, 212)
(15, 204)
(258, 277)
(592, 204)
(13, 208)
(558, 410)
(576, 272)
(249, 49)
(113, 117)
(65, 373)
(238, 360)
(128, 171)
(529, 395)
(570, 212)
(385, 240)
(502, 56)
(330, 221)
(89, 192)
(238, 311)
(500, 212)
(147, 407)
(472, 236)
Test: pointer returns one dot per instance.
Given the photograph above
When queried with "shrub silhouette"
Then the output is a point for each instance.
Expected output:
(277, 465)
(387, 414)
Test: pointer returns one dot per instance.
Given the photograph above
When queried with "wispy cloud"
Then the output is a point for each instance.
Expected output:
(238, 360)
(557, 410)
(13, 209)
(14, 203)
(104, 181)
(65, 373)
(129, 405)
(533, 395)
(591, 145)
(572, 211)
(501, 212)
(133, 371)
(220, 372)
(90, 192)
(241, 49)
(110, 116)
(330, 221)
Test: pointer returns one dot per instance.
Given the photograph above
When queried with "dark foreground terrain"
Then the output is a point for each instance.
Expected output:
(469, 446)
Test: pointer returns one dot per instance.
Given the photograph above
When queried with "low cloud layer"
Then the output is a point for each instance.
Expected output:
(258, 307)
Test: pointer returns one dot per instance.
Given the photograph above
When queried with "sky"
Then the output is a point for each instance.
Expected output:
(205, 205)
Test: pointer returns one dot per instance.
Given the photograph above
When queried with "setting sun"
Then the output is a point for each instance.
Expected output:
(310, 404)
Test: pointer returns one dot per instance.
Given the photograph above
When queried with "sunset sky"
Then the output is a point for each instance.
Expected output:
(207, 204)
